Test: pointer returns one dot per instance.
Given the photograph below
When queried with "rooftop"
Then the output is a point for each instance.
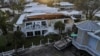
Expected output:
(65, 3)
(73, 12)
(88, 26)
(31, 4)
(98, 23)
(28, 0)
(46, 17)
(22, 17)
(41, 9)
(97, 14)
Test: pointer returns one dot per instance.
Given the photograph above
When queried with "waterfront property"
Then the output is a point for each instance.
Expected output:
(88, 37)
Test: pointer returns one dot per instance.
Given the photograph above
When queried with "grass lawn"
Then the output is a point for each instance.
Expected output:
(27, 42)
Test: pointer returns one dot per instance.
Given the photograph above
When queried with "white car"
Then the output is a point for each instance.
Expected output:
(61, 44)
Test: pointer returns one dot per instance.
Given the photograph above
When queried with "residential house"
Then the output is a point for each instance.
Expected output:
(74, 14)
(28, 1)
(88, 37)
(43, 24)
(64, 5)
(39, 8)
(68, 8)
(97, 15)
(40, 12)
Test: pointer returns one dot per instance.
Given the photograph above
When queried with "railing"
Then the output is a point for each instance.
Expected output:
(35, 28)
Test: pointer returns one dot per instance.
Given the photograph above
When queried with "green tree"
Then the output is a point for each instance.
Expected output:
(16, 7)
(4, 25)
(59, 26)
(89, 7)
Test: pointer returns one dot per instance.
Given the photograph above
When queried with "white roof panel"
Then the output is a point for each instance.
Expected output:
(31, 4)
(65, 3)
(22, 17)
(98, 15)
(73, 12)
(41, 9)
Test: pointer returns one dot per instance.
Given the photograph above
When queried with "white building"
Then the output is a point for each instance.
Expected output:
(74, 14)
(64, 5)
(88, 37)
(42, 24)
(39, 19)
(97, 15)
(39, 8)
(28, 1)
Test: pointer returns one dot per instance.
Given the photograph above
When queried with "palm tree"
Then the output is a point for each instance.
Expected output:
(59, 26)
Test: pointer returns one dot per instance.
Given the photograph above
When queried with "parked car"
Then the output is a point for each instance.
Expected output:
(63, 43)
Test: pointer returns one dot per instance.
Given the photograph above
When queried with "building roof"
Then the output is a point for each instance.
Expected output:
(46, 17)
(97, 14)
(65, 3)
(88, 26)
(39, 9)
(73, 12)
(31, 4)
(28, 0)
(22, 17)
(98, 23)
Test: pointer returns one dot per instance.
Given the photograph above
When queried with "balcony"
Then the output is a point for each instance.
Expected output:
(37, 27)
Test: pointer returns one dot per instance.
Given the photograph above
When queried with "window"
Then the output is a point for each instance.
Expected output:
(29, 34)
(44, 31)
(43, 23)
(77, 16)
(65, 21)
(28, 23)
(37, 33)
